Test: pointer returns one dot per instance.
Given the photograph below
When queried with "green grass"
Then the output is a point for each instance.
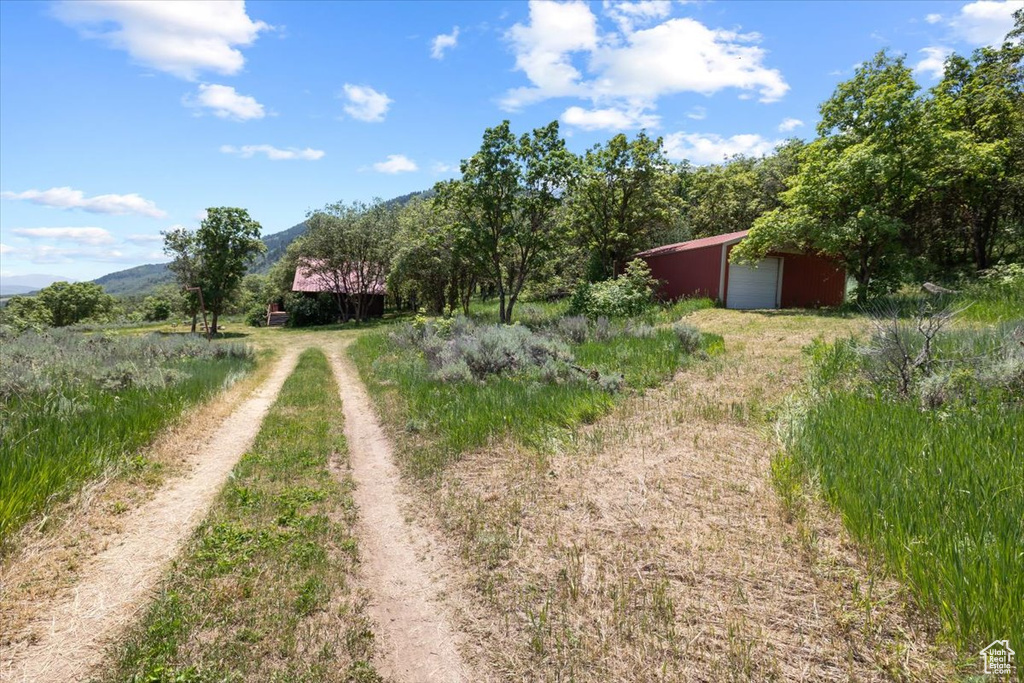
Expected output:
(263, 592)
(453, 418)
(536, 314)
(939, 494)
(993, 301)
(53, 441)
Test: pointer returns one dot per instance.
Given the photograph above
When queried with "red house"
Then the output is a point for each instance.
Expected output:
(783, 279)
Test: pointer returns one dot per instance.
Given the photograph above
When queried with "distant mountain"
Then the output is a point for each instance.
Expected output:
(276, 246)
(136, 281)
(23, 284)
(140, 280)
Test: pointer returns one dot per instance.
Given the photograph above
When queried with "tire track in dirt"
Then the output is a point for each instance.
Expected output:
(402, 566)
(117, 582)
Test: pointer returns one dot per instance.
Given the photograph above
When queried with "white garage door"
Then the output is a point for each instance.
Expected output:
(753, 286)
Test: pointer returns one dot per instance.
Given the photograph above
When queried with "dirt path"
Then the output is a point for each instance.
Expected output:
(116, 582)
(402, 565)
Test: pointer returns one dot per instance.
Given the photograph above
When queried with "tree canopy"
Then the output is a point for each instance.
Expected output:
(215, 257)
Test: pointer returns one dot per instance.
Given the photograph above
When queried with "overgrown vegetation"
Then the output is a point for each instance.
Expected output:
(73, 404)
(263, 590)
(915, 437)
(459, 383)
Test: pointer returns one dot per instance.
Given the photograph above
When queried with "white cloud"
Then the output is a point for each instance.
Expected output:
(5, 249)
(90, 236)
(365, 103)
(683, 55)
(49, 254)
(608, 119)
(274, 153)
(933, 64)
(985, 22)
(697, 114)
(712, 149)
(933, 18)
(183, 38)
(633, 66)
(789, 124)
(396, 163)
(68, 198)
(543, 48)
(225, 102)
(443, 42)
(630, 14)
(441, 167)
(144, 239)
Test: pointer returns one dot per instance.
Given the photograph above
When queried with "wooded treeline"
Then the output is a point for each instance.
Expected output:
(901, 184)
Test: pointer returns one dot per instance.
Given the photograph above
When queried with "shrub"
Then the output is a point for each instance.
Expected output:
(627, 295)
(304, 311)
(256, 316)
(155, 309)
(573, 328)
(689, 336)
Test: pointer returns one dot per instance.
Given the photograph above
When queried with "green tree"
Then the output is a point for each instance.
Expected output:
(349, 247)
(858, 181)
(620, 200)
(730, 196)
(186, 265)
(24, 312)
(976, 182)
(73, 302)
(431, 262)
(215, 257)
(507, 200)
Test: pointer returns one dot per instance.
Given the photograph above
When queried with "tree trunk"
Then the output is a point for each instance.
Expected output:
(195, 321)
(213, 323)
(982, 230)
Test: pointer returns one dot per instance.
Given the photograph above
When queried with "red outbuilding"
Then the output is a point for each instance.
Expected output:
(782, 279)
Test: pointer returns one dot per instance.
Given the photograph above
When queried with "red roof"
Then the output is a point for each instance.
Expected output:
(307, 279)
(696, 244)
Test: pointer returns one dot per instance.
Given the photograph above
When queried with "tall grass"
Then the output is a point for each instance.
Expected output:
(454, 417)
(933, 480)
(72, 405)
(939, 494)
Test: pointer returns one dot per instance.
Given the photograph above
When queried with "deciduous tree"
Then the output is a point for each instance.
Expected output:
(215, 257)
(507, 201)
(620, 200)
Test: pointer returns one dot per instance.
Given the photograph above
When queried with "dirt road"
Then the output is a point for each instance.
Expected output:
(115, 583)
(402, 565)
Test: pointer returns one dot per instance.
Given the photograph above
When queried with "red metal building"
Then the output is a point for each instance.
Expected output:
(781, 280)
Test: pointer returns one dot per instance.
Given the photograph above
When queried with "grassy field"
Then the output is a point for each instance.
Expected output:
(453, 417)
(263, 591)
(73, 405)
(933, 481)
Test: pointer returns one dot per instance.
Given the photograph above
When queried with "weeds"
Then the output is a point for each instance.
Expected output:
(262, 591)
(923, 460)
(459, 383)
(73, 404)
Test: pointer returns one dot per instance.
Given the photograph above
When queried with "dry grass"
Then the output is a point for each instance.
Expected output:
(653, 547)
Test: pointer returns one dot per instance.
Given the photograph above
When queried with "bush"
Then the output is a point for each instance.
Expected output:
(630, 294)
(689, 336)
(256, 316)
(304, 310)
(155, 309)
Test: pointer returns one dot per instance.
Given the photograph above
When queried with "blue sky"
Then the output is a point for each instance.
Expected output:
(119, 120)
